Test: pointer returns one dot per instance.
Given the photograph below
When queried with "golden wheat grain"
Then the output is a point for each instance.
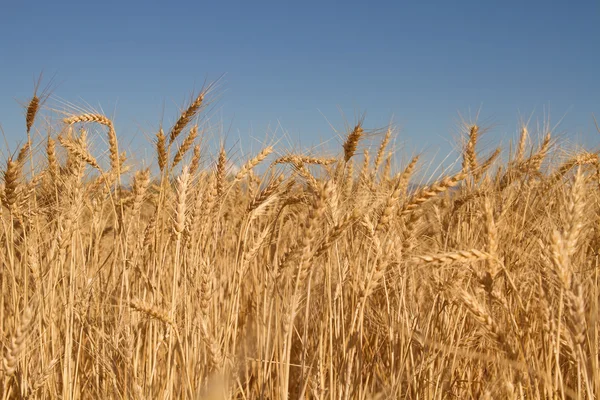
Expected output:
(577, 314)
(252, 252)
(469, 154)
(112, 136)
(252, 163)
(352, 141)
(195, 163)
(181, 206)
(214, 348)
(492, 235)
(185, 145)
(522, 144)
(349, 179)
(23, 153)
(535, 161)
(210, 200)
(149, 233)
(486, 320)
(40, 380)
(307, 175)
(364, 179)
(161, 150)
(78, 150)
(18, 341)
(381, 150)
(151, 311)
(12, 175)
(429, 192)
(405, 176)
(265, 194)
(32, 109)
(141, 180)
(221, 172)
(186, 116)
(300, 159)
(387, 169)
(309, 232)
(337, 231)
(53, 166)
(485, 165)
(455, 256)
(574, 214)
(388, 208)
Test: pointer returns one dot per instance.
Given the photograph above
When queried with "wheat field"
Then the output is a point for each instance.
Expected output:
(296, 275)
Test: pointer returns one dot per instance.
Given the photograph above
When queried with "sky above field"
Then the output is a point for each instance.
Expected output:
(289, 70)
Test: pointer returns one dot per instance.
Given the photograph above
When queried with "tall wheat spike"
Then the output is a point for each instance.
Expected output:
(352, 141)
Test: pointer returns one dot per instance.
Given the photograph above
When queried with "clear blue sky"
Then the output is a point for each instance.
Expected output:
(420, 62)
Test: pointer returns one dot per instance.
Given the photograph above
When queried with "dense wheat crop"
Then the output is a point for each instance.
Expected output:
(295, 275)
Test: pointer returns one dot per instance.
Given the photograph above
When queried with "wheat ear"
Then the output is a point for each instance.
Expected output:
(180, 208)
(431, 191)
(161, 150)
(451, 257)
(78, 150)
(186, 116)
(112, 135)
(12, 175)
(53, 166)
(470, 155)
(151, 311)
(299, 159)
(32, 109)
(352, 141)
(185, 146)
(381, 150)
(195, 163)
(221, 172)
(253, 162)
(522, 144)
(17, 343)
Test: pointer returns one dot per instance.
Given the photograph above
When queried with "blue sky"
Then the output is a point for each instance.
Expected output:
(295, 66)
